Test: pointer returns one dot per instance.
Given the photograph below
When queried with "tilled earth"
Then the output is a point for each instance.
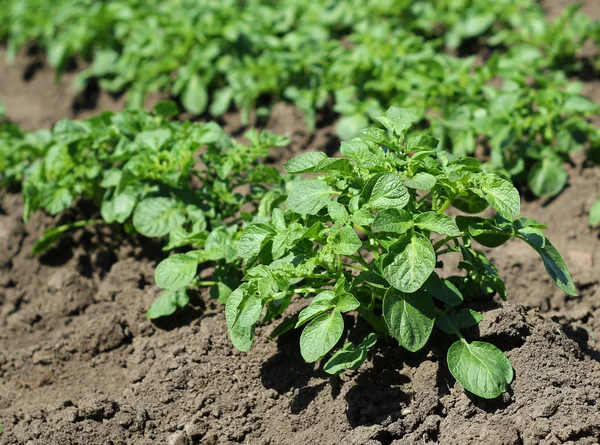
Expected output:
(80, 364)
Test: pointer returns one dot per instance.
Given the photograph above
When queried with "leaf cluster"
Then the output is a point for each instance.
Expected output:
(182, 181)
(368, 235)
(518, 106)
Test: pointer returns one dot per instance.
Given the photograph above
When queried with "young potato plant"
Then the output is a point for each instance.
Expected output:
(367, 234)
(183, 181)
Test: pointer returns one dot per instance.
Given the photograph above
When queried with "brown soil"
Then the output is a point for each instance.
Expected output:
(80, 364)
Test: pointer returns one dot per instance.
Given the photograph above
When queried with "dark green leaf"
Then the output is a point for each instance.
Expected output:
(168, 303)
(385, 191)
(156, 217)
(410, 317)
(393, 220)
(468, 318)
(176, 272)
(438, 223)
(350, 356)
(547, 178)
(309, 197)
(166, 109)
(553, 261)
(421, 181)
(480, 367)
(443, 290)
(321, 335)
(304, 163)
(409, 263)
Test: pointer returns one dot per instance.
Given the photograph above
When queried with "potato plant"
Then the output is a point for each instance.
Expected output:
(366, 235)
(518, 106)
(181, 181)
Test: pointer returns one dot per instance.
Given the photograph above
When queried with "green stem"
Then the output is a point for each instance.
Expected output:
(89, 222)
(444, 206)
(308, 290)
(352, 266)
(358, 258)
(425, 197)
(206, 283)
(441, 242)
(374, 321)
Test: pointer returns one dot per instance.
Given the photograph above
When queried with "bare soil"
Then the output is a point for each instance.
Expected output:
(80, 364)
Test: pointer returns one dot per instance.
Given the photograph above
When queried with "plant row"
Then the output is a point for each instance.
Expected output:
(515, 109)
(362, 239)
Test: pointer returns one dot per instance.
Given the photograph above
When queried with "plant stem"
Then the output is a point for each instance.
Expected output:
(377, 324)
(352, 266)
(444, 206)
(358, 258)
(441, 242)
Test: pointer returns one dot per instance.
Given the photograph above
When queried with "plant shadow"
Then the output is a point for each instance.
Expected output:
(376, 396)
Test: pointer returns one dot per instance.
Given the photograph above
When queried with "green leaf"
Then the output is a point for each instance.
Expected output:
(195, 98)
(553, 262)
(348, 127)
(393, 220)
(547, 178)
(350, 356)
(486, 232)
(321, 303)
(324, 301)
(410, 317)
(168, 303)
(385, 191)
(166, 109)
(421, 181)
(500, 194)
(221, 101)
(285, 326)
(468, 318)
(448, 323)
(309, 197)
(409, 263)
(56, 200)
(443, 290)
(119, 208)
(480, 367)
(398, 120)
(337, 212)
(360, 152)
(154, 139)
(321, 335)
(176, 272)
(304, 163)
(423, 141)
(345, 302)
(362, 217)
(471, 203)
(253, 239)
(243, 307)
(347, 241)
(580, 104)
(242, 337)
(594, 218)
(438, 223)
(156, 217)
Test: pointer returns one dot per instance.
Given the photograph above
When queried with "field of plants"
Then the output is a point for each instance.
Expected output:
(296, 222)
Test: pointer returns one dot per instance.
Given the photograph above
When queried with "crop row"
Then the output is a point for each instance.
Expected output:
(517, 105)
(365, 234)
